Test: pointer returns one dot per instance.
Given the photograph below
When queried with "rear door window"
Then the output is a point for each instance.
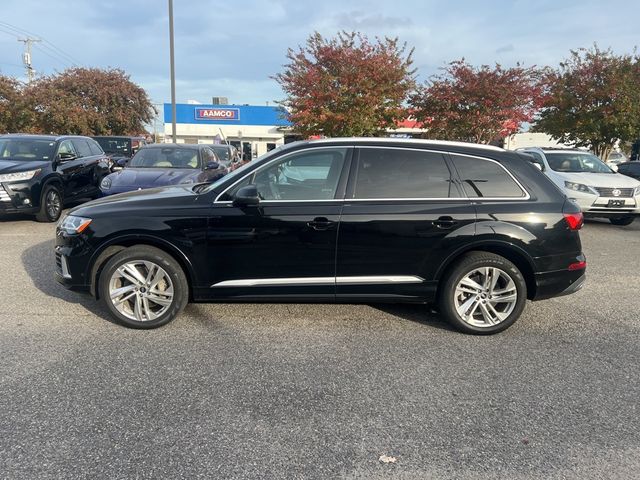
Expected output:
(483, 178)
(82, 147)
(390, 173)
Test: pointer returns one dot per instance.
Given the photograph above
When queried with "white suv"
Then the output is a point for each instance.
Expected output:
(598, 190)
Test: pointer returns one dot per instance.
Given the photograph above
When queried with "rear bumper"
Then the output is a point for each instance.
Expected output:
(559, 283)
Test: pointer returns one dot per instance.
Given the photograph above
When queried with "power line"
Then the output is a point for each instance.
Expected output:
(45, 43)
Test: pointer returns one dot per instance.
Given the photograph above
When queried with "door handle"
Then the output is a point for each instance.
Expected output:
(445, 222)
(321, 223)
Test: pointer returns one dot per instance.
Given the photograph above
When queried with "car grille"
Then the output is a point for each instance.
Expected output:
(4, 196)
(608, 192)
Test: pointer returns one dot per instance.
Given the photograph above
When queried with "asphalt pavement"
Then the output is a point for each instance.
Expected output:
(318, 391)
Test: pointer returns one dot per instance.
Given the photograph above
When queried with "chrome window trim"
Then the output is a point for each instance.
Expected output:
(275, 160)
(465, 198)
(310, 281)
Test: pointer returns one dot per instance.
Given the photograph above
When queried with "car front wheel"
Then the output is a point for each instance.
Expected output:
(143, 287)
(483, 294)
(50, 204)
(623, 221)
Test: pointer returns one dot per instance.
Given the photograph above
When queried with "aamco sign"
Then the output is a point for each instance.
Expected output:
(217, 114)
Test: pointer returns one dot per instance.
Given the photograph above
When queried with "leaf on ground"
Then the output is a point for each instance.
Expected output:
(387, 459)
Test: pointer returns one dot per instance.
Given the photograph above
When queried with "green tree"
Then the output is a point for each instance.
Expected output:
(477, 104)
(90, 101)
(346, 85)
(593, 100)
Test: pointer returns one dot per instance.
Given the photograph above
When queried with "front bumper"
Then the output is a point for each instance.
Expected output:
(599, 206)
(17, 197)
(72, 253)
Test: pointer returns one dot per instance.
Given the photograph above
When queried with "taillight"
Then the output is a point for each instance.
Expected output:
(574, 220)
(581, 265)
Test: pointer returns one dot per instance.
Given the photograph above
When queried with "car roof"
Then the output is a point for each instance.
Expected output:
(185, 146)
(53, 138)
(400, 141)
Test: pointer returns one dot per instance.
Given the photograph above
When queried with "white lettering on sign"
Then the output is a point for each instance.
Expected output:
(217, 114)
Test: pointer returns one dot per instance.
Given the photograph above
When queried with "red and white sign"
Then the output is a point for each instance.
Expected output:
(217, 114)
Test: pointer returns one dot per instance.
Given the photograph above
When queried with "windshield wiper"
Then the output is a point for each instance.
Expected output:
(199, 187)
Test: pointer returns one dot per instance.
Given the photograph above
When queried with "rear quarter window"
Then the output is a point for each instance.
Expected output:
(484, 178)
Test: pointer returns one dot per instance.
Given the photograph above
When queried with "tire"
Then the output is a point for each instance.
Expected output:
(484, 313)
(150, 298)
(51, 204)
(623, 221)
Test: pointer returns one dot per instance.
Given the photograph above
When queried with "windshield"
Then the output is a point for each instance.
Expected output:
(576, 162)
(166, 157)
(115, 145)
(27, 149)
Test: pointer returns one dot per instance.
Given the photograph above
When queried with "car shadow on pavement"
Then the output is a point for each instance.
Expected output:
(422, 314)
(38, 261)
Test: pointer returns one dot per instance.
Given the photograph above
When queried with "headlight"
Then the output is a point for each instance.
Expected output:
(73, 225)
(19, 176)
(579, 187)
(636, 191)
(105, 184)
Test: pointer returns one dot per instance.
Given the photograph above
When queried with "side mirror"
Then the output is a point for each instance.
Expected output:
(246, 196)
(122, 162)
(539, 166)
(212, 166)
(66, 157)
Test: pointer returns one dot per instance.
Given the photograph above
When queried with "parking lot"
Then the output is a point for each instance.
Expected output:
(318, 391)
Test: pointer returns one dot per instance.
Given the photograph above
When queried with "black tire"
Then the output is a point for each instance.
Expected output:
(622, 221)
(51, 204)
(470, 262)
(160, 258)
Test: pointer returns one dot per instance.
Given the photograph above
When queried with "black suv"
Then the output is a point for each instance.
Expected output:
(474, 228)
(120, 149)
(39, 173)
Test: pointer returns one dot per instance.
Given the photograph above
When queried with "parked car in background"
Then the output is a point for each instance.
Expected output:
(120, 149)
(227, 154)
(630, 169)
(476, 229)
(39, 174)
(598, 190)
(159, 165)
(616, 158)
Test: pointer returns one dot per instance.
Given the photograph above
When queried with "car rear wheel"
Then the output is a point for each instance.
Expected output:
(50, 204)
(143, 287)
(622, 220)
(483, 294)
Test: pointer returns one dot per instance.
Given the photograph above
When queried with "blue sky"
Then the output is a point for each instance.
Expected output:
(232, 48)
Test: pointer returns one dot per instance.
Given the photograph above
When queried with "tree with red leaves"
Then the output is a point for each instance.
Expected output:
(89, 101)
(347, 85)
(477, 104)
(593, 100)
(15, 115)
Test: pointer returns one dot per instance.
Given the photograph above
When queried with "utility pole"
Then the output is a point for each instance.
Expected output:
(173, 74)
(26, 56)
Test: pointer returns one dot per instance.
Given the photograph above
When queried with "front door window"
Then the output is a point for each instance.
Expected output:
(309, 175)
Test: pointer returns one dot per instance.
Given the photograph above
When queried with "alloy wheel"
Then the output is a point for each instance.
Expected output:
(485, 297)
(53, 204)
(141, 290)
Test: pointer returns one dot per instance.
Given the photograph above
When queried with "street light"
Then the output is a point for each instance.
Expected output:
(173, 74)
